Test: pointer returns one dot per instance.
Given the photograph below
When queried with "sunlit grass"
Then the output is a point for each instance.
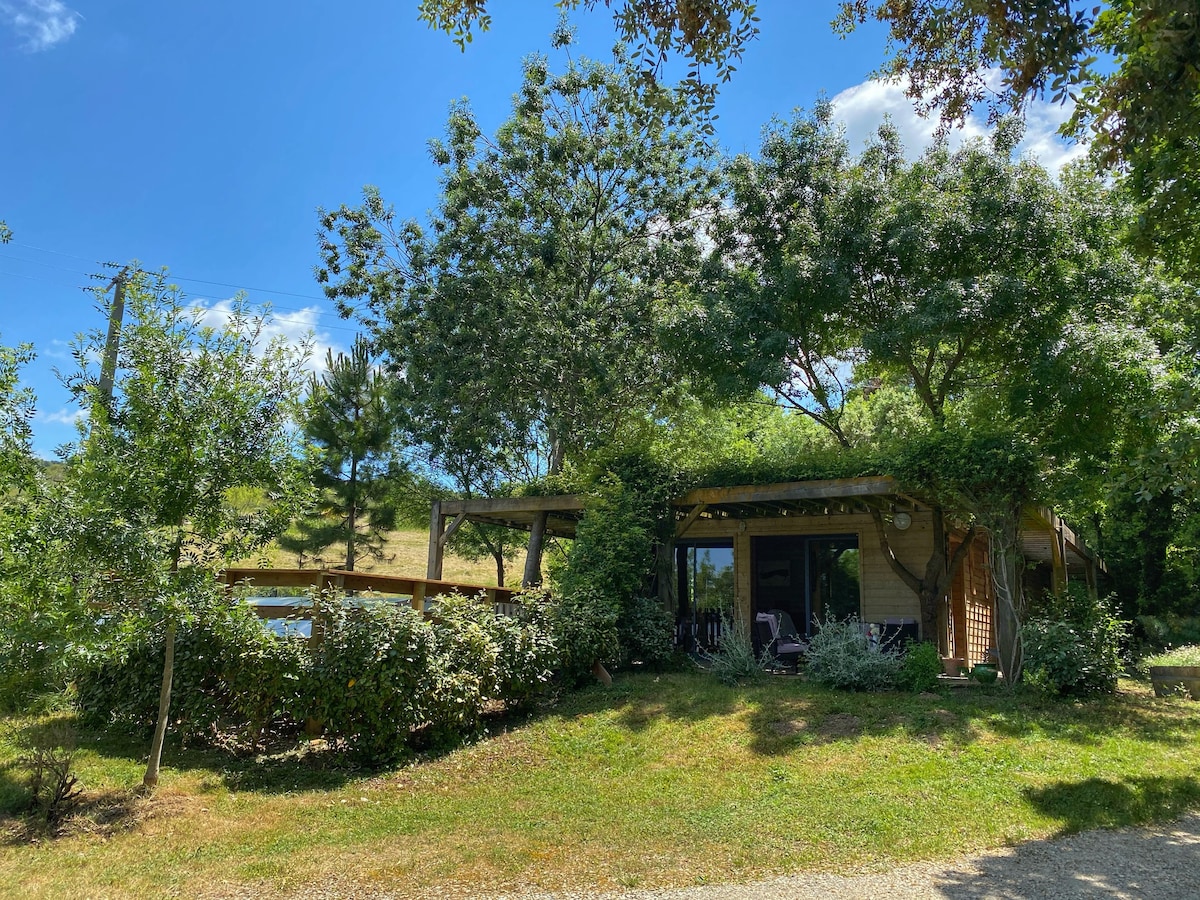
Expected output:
(406, 552)
(662, 780)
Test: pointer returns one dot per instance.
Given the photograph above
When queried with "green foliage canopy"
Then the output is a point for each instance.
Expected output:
(523, 322)
(1141, 111)
(712, 33)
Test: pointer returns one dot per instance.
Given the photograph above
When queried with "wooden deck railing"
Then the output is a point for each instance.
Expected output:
(417, 590)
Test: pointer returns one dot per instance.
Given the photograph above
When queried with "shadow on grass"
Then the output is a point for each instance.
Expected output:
(1115, 803)
(1086, 721)
(780, 714)
(646, 698)
(783, 712)
(1154, 862)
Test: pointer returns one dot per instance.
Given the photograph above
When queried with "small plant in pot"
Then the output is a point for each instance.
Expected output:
(1176, 671)
(985, 673)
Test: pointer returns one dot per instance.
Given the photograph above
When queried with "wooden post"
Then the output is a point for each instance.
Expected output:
(436, 522)
(418, 596)
(108, 366)
(742, 569)
(1058, 563)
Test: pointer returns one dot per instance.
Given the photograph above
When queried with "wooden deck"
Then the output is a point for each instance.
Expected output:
(416, 590)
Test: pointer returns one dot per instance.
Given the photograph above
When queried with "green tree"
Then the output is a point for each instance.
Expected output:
(16, 412)
(524, 323)
(969, 278)
(5, 233)
(198, 412)
(710, 34)
(1140, 108)
(349, 419)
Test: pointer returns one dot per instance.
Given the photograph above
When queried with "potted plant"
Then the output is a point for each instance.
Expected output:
(1175, 670)
(985, 673)
(953, 665)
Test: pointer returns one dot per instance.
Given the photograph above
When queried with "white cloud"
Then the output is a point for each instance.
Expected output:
(40, 23)
(59, 349)
(293, 326)
(64, 416)
(860, 109)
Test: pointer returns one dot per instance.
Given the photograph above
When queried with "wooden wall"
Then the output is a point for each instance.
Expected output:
(883, 593)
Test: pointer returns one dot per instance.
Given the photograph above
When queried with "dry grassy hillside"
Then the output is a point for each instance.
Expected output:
(406, 553)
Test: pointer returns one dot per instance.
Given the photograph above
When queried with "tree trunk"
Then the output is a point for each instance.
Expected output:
(352, 517)
(533, 556)
(939, 571)
(150, 780)
(537, 531)
(498, 555)
(1006, 577)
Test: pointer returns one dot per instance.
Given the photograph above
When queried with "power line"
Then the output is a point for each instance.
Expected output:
(244, 287)
(172, 276)
(34, 262)
(43, 280)
(55, 252)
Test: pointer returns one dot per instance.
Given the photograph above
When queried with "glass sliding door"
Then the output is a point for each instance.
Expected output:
(811, 578)
(834, 591)
(706, 586)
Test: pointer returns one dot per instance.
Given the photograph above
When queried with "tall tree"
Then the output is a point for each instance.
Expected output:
(963, 276)
(1139, 109)
(524, 322)
(198, 411)
(350, 420)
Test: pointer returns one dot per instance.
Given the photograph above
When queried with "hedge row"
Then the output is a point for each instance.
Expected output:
(382, 679)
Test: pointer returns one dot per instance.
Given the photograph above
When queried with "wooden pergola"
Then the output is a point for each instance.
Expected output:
(563, 512)
(1045, 537)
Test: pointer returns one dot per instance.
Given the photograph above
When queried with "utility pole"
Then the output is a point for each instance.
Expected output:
(108, 368)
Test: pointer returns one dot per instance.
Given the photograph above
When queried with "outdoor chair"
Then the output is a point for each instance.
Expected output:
(778, 635)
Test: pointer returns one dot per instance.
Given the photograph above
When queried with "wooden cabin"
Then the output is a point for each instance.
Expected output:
(811, 549)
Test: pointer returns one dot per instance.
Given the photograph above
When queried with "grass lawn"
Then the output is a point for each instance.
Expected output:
(660, 780)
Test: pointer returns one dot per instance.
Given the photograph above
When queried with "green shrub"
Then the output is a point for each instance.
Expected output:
(48, 759)
(1181, 656)
(734, 661)
(646, 632)
(605, 615)
(384, 679)
(529, 655)
(840, 656)
(585, 631)
(372, 678)
(1072, 645)
(920, 666)
(231, 674)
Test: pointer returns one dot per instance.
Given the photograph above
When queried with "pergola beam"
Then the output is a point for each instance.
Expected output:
(833, 489)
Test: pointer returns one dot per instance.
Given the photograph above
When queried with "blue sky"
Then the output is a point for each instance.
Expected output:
(203, 137)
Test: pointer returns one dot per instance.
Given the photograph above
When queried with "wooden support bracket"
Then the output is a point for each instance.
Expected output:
(451, 528)
(690, 519)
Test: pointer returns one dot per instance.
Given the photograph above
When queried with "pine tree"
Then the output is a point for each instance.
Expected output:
(350, 422)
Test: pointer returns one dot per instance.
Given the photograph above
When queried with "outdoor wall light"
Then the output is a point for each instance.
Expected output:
(901, 520)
